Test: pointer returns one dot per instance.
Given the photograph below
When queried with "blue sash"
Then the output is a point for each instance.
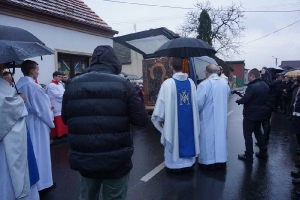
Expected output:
(32, 166)
(185, 119)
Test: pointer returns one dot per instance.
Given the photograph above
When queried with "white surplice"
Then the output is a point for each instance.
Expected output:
(166, 110)
(213, 94)
(56, 93)
(14, 171)
(39, 121)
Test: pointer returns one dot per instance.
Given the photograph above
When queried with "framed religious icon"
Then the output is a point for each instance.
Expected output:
(155, 72)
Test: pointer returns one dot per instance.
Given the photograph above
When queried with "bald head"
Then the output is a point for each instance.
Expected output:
(211, 68)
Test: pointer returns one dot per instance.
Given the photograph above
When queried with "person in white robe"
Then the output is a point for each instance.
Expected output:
(39, 120)
(221, 74)
(212, 98)
(55, 91)
(176, 116)
(18, 170)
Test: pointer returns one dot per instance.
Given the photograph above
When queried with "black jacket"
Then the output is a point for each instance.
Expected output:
(98, 107)
(288, 87)
(296, 108)
(272, 92)
(254, 100)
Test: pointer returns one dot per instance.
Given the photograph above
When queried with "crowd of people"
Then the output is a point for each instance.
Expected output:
(97, 107)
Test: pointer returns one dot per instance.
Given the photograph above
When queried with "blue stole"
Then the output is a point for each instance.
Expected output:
(32, 166)
(185, 119)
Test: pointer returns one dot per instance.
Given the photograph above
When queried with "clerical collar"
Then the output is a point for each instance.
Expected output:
(55, 82)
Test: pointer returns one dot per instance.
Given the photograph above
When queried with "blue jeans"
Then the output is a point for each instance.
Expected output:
(113, 189)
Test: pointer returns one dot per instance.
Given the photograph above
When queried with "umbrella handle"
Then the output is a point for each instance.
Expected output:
(13, 80)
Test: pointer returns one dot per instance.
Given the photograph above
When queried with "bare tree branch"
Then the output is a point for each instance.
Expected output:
(227, 26)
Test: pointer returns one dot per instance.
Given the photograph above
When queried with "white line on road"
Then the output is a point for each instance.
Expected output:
(157, 169)
(229, 113)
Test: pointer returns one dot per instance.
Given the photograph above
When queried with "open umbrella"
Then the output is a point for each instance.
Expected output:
(17, 51)
(185, 48)
(293, 74)
(17, 34)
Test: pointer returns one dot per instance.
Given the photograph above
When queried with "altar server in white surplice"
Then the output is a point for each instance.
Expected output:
(39, 120)
(213, 94)
(176, 116)
(18, 170)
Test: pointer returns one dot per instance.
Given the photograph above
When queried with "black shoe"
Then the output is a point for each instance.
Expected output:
(261, 155)
(295, 174)
(244, 158)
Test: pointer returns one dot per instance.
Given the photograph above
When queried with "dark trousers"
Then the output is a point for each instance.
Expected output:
(286, 103)
(113, 189)
(278, 103)
(249, 127)
(266, 123)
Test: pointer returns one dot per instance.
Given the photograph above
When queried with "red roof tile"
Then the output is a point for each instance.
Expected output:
(73, 10)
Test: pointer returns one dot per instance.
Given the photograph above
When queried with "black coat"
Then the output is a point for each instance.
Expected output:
(272, 92)
(288, 87)
(254, 100)
(98, 107)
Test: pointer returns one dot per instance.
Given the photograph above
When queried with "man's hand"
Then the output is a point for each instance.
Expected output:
(23, 97)
(284, 90)
(238, 98)
(161, 124)
(52, 107)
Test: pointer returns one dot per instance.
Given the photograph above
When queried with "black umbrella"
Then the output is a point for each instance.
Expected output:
(18, 51)
(17, 34)
(185, 48)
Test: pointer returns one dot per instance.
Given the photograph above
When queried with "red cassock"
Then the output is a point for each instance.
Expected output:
(60, 128)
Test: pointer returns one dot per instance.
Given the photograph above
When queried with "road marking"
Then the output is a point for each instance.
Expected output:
(157, 169)
(229, 113)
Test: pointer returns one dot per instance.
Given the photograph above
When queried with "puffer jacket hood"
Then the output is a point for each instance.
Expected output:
(104, 56)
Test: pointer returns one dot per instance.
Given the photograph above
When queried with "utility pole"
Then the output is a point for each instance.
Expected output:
(275, 59)
(134, 27)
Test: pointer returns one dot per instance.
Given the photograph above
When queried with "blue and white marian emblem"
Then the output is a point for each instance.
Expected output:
(184, 98)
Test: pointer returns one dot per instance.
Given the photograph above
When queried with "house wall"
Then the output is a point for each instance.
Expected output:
(238, 72)
(136, 66)
(58, 39)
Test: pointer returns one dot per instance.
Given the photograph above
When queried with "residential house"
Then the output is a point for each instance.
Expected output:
(70, 28)
(239, 71)
(131, 60)
(290, 64)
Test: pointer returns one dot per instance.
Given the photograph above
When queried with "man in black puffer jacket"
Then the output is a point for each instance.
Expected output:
(99, 106)
(271, 102)
(254, 101)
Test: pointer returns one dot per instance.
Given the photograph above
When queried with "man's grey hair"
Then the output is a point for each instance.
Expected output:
(211, 68)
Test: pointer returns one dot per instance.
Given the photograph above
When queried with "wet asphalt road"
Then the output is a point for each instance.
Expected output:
(262, 180)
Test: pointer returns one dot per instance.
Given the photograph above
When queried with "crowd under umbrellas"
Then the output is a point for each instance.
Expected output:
(17, 45)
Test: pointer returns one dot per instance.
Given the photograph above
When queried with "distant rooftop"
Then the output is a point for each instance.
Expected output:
(294, 64)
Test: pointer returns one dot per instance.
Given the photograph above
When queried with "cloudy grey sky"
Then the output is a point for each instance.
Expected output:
(284, 44)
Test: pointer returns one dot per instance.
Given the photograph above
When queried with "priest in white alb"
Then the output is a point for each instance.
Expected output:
(176, 116)
(18, 169)
(39, 120)
(55, 91)
(213, 94)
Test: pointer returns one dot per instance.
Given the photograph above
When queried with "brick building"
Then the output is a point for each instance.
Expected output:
(239, 71)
